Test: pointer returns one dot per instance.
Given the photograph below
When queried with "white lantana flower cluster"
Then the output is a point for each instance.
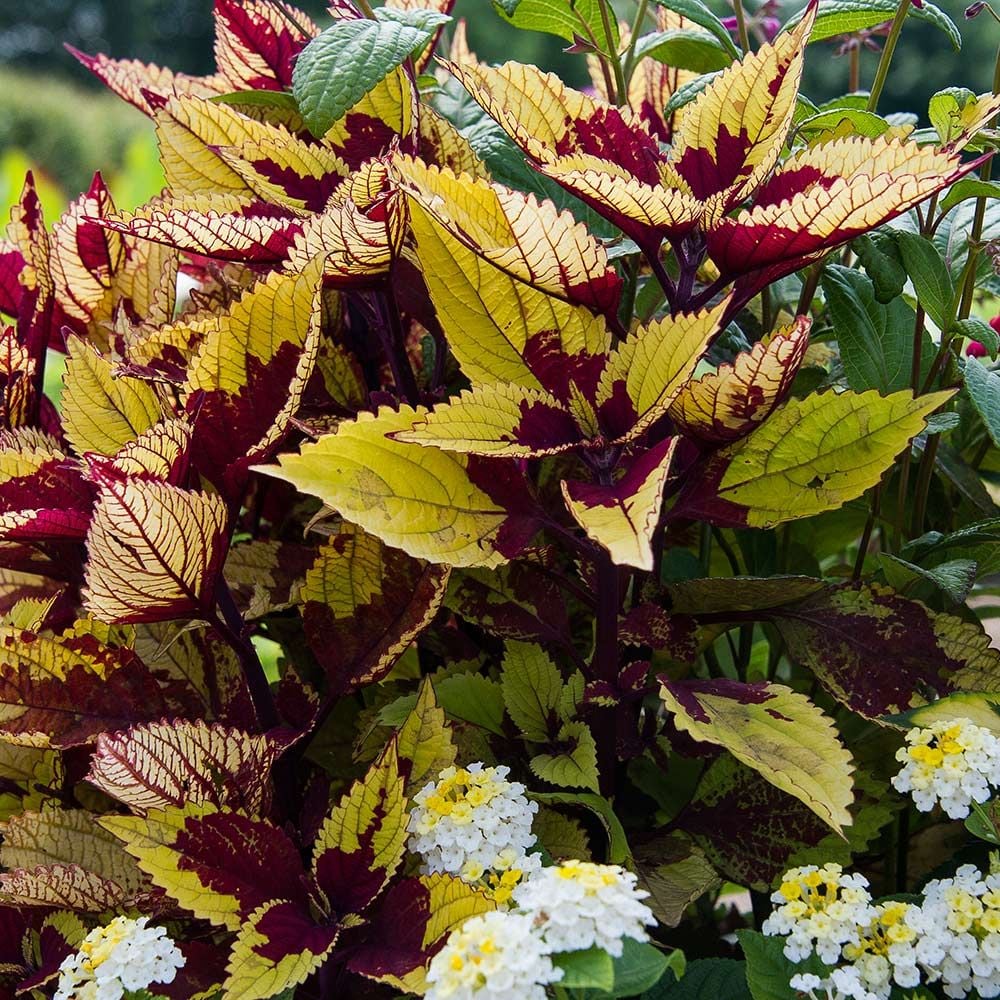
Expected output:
(579, 905)
(474, 823)
(124, 955)
(959, 933)
(951, 937)
(507, 953)
(952, 762)
(493, 957)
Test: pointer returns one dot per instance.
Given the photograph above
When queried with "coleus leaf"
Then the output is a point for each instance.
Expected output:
(155, 550)
(698, 13)
(776, 731)
(492, 321)
(424, 744)
(277, 948)
(573, 760)
(688, 49)
(532, 689)
(26, 773)
(730, 139)
(175, 763)
(560, 17)
(363, 603)
(219, 864)
(67, 887)
(345, 62)
(528, 239)
(442, 143)
(61, 691)
(363, 840)
(257, 42)
(675, 872)
(813, 454)
(419, 499)
(101, 411)
(248, 377)
(727, 404)
(623, 516)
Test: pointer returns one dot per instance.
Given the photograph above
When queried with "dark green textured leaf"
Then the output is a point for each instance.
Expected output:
(768, 971)
(565, 18)
(707, 977)
(349, 59)
(697, 51)
(983, 388)
(975, 329)
(639, 968)
(591, 968)
(930, 277)
(876, 340)
(843, 17)
(698, 13)
(687, 92)
(425, 20)
(880, 258)
(954, 579)
(862, 122)
(968, 187)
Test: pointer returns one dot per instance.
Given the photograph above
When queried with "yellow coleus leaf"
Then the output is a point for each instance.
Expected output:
(815, 454)
(492, 319)
(443, 144)
(423, 743)
(370, 821)
(731, 136)
(155, 453)
(26, 772)
(389, 110)
(776, 731)
(657, 361)
(623, 517)
(102, 411)
(67, 887)
(154, 550)
(509, 420)
(528, 239)
(421, 500)
(277, 948)
(574, 764)
(728, 403)
(451, 903)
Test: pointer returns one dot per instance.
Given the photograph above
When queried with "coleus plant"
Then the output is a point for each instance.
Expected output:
(556, 429)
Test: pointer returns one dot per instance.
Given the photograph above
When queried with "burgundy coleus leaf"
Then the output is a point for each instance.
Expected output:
(392, 940)
(46, 943)
(11, 265)
(64, 690)
(363, 603)
(219, 864)
(651, 625)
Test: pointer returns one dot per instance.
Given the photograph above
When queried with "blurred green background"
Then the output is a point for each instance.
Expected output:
(56, 117)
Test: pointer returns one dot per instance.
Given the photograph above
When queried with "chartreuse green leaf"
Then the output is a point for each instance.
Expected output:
(618, 849)
(346, 62)
(573, 760)
(698, 13)
(473, 698)
(815, 454)
(862, 122)
(844, 17)
(418, 499)
(980, 707)
(968, 187)
(876, 340)
(565, 18)
(532, 689)
(983, 388)
(776, 731)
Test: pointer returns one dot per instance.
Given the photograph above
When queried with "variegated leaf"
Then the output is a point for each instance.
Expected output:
(68, 887)
(363, 603)
(508, 420)
(624, 516)
(219, 864)
(443, 144)
(25, 774)
(154, 550)
(419, 499)
(423, 743)
(363, 840)
(647, 371)
(528, 239)
(176, 763)
(727, 404)
(100, 411)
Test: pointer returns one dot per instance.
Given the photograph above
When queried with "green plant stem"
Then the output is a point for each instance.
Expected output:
(616, 64)
(866, 535)
(925, 474)
(602, 57)
(882, 72)
(629, 68)
(741, 25)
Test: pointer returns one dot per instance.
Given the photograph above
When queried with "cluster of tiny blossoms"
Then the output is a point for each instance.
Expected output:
(474, 823)
(124, 955)
(951, 937)
(954, 763)
(567, 907)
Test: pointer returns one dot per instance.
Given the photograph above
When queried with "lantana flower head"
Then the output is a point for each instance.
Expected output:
(579, 904)
(958, 925)
(820, 910)
(954, 763)
(496, 956)
(474, 823)
(124, 955)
